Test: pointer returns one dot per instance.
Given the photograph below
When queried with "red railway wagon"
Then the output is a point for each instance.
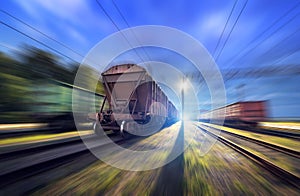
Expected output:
(132, 96)
(244, 111)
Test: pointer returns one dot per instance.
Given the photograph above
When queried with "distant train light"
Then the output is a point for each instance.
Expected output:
(184, 84)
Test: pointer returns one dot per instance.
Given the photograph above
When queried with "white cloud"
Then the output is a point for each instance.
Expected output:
(29, 8)
(78, 13)
(76, 35)
(212, 25)
(64, 9)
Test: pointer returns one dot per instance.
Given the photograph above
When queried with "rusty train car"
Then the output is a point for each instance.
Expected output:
(244, 113)
(132, 96)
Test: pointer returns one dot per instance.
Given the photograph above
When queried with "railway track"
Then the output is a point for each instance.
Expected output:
(11, 151)
(269, 131)
(19, 132)
(288, 151)
(283, 174)
(19, 165)
(286, 134)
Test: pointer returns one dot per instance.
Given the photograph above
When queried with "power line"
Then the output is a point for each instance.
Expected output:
(285, 57)
(280, 42)
(127, 23)
(232, 29)
(268, 28)
(44, 34)
(227, 38)
(107, 15)
(262, 41)
(219, 40)
(266, 71)
(275, 22)
(43, 44)
(119, 11)
(113, 22)
(221, 36)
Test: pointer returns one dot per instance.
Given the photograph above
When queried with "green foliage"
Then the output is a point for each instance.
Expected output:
(27, 85)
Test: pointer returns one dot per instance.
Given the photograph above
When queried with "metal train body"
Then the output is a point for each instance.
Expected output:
(244, 113)
(132, 96)
(53, 104)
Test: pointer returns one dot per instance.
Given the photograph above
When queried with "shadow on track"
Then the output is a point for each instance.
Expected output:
(170, 181)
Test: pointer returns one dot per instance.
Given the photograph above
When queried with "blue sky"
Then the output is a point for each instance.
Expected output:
(80, 24)
(267, 32)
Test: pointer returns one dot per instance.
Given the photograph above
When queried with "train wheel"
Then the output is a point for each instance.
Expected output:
(124, 134)
(97, 129)
(122, 129)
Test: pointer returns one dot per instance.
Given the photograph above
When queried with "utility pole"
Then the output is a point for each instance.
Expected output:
(240, 92)
(182, 99)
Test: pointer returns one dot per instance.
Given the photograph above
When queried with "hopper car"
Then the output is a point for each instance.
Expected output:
(132, 97)
(239, 114)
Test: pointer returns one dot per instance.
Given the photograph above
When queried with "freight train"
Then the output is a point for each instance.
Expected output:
(53, 104)
(239, 114)
(133, 98)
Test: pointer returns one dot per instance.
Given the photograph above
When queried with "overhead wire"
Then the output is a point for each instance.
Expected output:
(237, 19)
(39, 42)
(278, 29)
(127, 23)
(280, 42)
(263, 32)
(225, 26)
(231, 30)
(117, 27)
(286, 56)
(218, 43)
(44, 34)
